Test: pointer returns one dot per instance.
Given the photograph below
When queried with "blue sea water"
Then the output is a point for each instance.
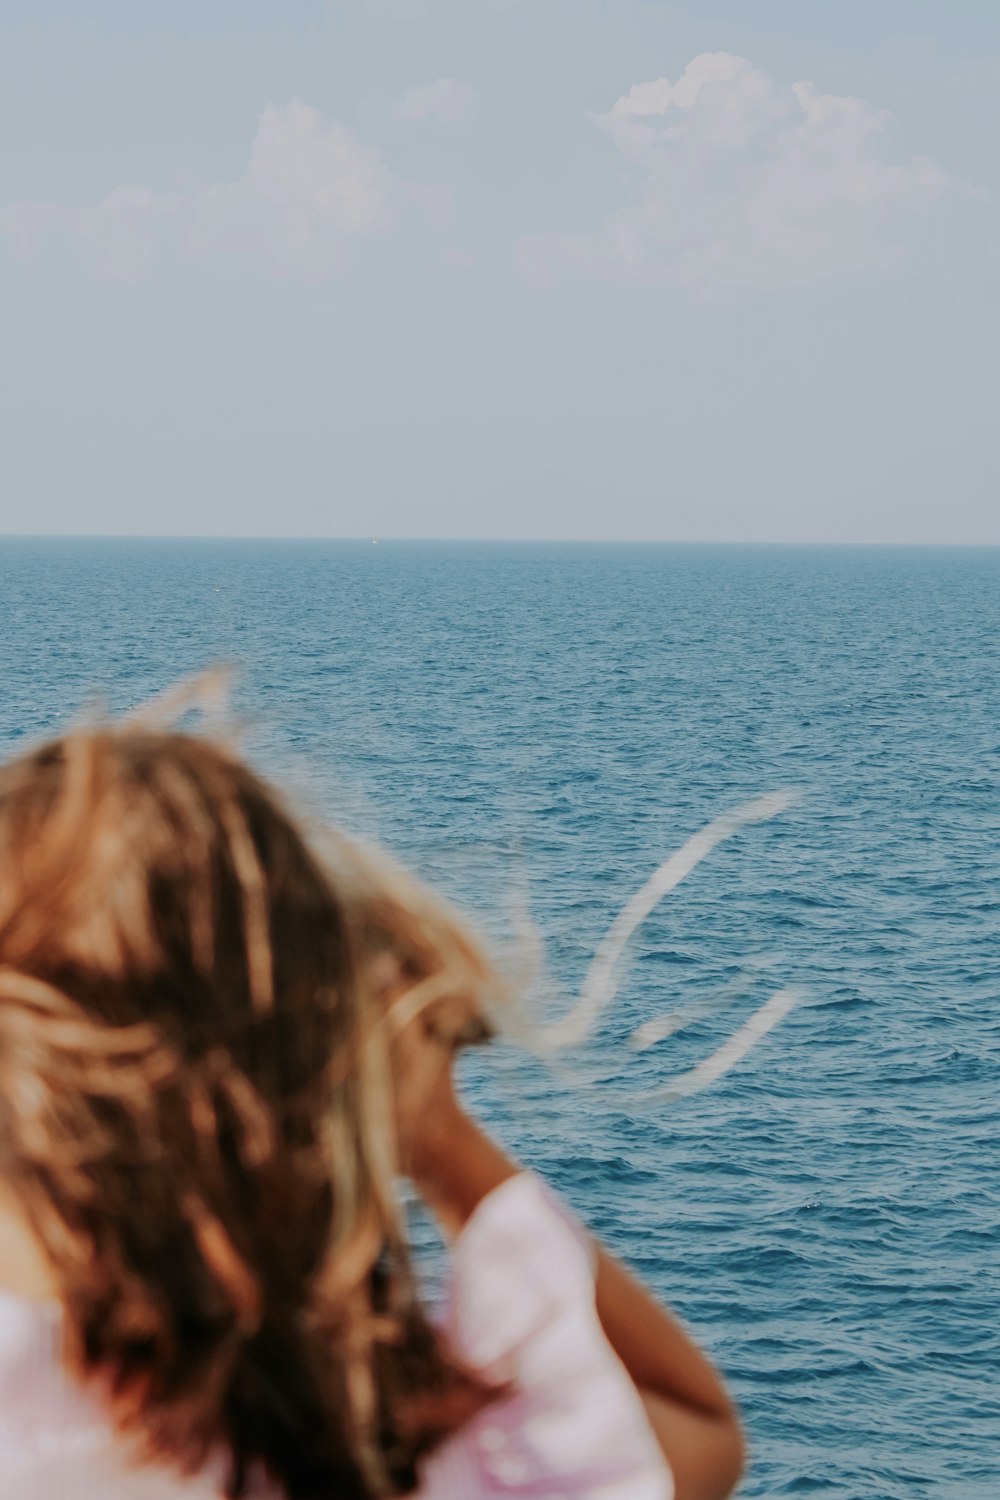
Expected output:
(547, 723)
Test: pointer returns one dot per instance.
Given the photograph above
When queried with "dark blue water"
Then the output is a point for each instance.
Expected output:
(557, 719)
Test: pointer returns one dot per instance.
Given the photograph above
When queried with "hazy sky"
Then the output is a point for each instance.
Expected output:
(501, 268)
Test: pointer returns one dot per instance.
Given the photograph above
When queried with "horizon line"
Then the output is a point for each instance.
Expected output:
(491, 541)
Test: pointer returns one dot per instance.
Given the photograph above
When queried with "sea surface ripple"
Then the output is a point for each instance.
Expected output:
(540, 726)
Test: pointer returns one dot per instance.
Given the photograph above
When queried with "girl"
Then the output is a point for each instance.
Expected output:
(217, 1046)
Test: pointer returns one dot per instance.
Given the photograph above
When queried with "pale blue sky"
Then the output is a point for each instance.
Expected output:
(501, 268)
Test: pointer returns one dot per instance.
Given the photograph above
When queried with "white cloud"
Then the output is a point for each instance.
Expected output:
(123, 228)
(308, 187)
(743, 181)
(446, 101)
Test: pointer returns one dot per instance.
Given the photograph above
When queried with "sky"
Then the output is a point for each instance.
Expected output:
(539, 269)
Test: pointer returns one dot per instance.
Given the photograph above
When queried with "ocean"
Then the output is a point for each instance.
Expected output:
(535, 728)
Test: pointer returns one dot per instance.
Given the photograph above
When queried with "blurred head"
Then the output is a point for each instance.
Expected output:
(195, 1114)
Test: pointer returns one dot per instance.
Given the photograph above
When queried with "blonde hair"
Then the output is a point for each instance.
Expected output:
(196, 1114)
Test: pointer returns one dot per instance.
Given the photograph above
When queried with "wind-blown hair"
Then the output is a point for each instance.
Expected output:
(195, 1112)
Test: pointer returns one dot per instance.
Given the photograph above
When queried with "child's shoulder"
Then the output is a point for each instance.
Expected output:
(522, 1311)
(521, 1261)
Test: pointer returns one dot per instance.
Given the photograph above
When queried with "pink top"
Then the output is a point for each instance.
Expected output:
(520, 1308)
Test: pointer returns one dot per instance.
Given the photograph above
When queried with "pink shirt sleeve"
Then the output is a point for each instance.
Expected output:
(521, 1310)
